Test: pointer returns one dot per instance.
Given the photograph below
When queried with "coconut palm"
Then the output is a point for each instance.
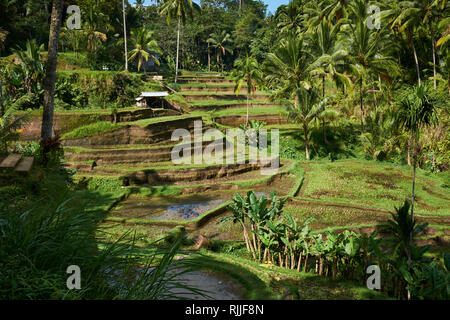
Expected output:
(248, 71)
(50, 70)
(94, 22)
(369, 53)
(290, 17)
(416, 111)
(307, 107)
(179, 9)
(443, 43)
(407, 16)
(330, 53)
(221, 43)
(336, 8)
(287, 68)
(144, 44)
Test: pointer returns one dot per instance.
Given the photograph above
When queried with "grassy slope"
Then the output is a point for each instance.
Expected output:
(377, 184)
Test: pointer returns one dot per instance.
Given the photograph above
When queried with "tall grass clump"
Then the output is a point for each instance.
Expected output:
(55, 226)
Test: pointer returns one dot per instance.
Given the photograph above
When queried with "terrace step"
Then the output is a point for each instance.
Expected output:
(232, 106)
(166, 177)
(152, 134)
(131, 156)
(211, 96)
(224, 89)
(206, 81)
(268, 119)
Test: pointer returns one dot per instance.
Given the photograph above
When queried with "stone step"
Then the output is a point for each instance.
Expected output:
(25, 164)
(11, 161)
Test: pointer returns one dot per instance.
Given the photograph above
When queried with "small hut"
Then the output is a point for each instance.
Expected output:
(151, 99)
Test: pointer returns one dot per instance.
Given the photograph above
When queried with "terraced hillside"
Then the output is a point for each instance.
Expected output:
(160, 195)
(136, 152)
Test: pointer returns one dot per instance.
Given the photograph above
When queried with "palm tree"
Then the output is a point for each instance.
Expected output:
(287, 68)
(290, 17)
(308, 107)
(408, 16)
(50, 68)
(94, 21)
(443, 43)
(144, 44)
(416, 111)
(335, 8)
(330, 54)
(125, 34)
(247, 71)
(31, 65)
(75, 38)
(181, 9)
(369, 49)
(220, 43)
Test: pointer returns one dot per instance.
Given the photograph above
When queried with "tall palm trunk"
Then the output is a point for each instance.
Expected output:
(434, 58)
(209, 59)
(125, 35)
(416, 60)
(246, 119)
(305, 132)
(413, 184)
(178, 50)
(50, 69)
(361, 103)
(323, 86)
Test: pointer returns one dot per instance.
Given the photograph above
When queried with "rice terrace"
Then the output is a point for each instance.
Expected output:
(224, 150)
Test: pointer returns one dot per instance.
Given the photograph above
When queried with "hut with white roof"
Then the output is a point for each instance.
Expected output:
(151, 99)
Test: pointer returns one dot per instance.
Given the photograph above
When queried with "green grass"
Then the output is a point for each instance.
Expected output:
(225, 102)
(370, 183)
(92, 130)
(146, 122)
(261, 283)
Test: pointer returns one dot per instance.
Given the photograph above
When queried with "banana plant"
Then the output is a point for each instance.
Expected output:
(239, 208)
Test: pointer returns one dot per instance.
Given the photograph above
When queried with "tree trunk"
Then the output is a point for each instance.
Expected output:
(305, 132)
(409, 150)
(416, 60)
(125, 36)
(246, 119)
(50, 70)
(178, 51)
(2, 109)
(323, 86)
(413, 186)
(306, 263)
(209, 59)
(434, 58)
(361, 103)
(299, 262)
